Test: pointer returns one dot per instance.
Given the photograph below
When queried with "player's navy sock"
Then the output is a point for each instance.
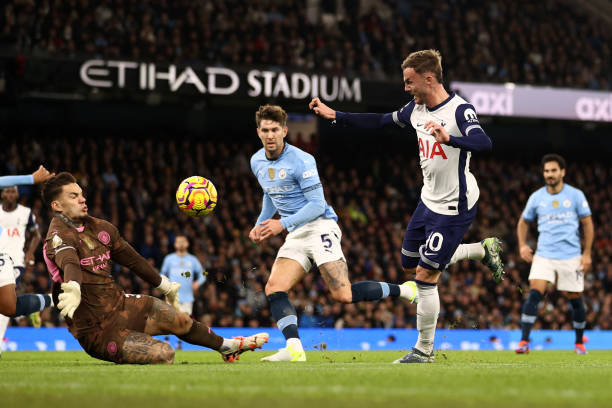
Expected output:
(284, 313)
(579, 318)
(530, 313)
(370, 290)
(29, 303)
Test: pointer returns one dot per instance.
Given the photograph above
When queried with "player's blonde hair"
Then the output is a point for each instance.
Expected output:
(425, 61)
(271, 112)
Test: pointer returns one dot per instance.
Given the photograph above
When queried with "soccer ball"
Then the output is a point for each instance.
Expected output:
(196, 196)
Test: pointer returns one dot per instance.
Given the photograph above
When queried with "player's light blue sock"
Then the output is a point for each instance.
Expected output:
(530, 313)
(28, 303)
(579, 318)
(284, 313)
(370, 290)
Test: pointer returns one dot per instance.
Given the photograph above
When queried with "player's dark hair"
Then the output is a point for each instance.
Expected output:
(553, 157)
(271, 112)
(53, 187)
(425, 61)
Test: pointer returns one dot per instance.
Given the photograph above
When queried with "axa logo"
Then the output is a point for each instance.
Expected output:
(599, 109)
(492, 103)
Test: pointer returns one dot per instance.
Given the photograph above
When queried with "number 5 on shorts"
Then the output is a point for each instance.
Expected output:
(327, 243)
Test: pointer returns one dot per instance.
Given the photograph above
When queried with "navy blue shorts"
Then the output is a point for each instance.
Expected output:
(431, 239)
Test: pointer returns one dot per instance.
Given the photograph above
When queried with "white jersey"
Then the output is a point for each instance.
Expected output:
(448, 185)
(13, 226)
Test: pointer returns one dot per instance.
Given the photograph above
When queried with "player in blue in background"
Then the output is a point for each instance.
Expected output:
(184, 268)
(559, 210)
(291, 185)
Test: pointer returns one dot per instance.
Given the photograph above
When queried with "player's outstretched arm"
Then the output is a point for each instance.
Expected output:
(39, 176)
(125, 255)
(67, 259)
(360, 120)
(267, 212)
(322, 109)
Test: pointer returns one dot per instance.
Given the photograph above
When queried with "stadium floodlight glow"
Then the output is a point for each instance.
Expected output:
(537, 101)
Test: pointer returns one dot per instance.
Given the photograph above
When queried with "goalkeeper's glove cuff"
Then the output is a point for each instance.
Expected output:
(165, 286)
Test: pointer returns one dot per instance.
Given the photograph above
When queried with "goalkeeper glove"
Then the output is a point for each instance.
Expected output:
(170, 289)
(70, 299)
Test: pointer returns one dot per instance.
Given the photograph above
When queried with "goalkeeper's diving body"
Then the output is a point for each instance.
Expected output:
(108, 323)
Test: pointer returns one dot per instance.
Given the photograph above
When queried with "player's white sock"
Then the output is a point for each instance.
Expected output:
(428, 309)
(4, 321)
(295, 344)
(473, 251)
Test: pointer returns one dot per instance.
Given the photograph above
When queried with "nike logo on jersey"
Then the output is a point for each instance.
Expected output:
(420, 124)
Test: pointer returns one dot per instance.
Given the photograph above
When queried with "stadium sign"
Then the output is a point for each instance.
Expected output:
(218, 81)
(537, 102)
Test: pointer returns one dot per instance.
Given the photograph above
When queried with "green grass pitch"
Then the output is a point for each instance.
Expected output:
(329, 379)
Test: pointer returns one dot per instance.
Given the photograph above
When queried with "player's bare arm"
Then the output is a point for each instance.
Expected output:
(34, 241)
(41, 175)
(321, 109)
(270, 228)
(589, 234)
(525, 250)
(255, 234)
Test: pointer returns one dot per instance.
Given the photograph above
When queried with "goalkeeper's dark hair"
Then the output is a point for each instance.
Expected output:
(271, 112)
(553, 157)
(53, 187)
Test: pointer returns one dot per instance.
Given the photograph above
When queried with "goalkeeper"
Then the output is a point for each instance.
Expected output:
(108, 323)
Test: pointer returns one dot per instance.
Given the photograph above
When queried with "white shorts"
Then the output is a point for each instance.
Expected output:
(8, 273)
(317, 241)
(186, 307)
(565, 272)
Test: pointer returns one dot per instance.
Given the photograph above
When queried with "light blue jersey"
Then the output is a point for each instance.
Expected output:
(291, 186)
(184, 270)
(9, 181)
(558, 221)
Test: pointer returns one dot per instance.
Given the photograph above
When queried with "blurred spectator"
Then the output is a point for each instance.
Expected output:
(524, 41)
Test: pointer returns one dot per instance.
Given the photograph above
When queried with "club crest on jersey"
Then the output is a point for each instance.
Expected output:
(56, 241)
(271, 173)
(555, 204)
(104, 237)
(282, 174)
(88, 242)
(567, 203)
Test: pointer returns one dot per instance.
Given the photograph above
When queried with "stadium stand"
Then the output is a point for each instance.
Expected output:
(543, 43)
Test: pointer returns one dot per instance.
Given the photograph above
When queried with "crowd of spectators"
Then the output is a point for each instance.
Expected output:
(131, 182)
(522, 41)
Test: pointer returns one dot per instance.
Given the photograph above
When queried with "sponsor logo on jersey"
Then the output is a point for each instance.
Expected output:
(470, 115)
(98, 262)
(271, 173)
(282, 173)
(280, 189)
(309, 173)
(430, 153)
